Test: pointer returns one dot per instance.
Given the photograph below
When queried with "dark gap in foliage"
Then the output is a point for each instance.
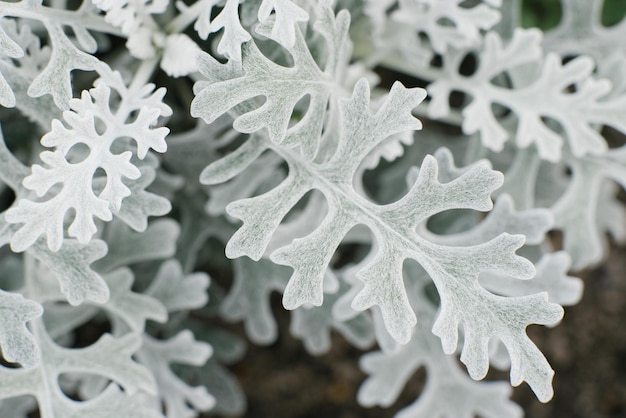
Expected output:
(100, 126)
(552, 124)
(82, 80)
(227, 141)
(99, 177)
(90, 332)
(284, 380)
(312, 197)
(423, 38)
(453, 221)
(556, 238)
(21, 135)
(500, 111)
(411, 391)
(436, 61)
(77, 153)
(351, 253)
(569, 89)
(299, 110)
(567, 58)
(502, 80)
(68, 4)
(614, 138)
(106, 44)
(468, 4)
(73, 385)
(621, 196)
(449, 132)
(372, 181)
(9, 365)
(273, 50)
(431, 293)
(394, 6)
(468, 65)
(131, 118)
(178, 96)
(389, 76)
(542, 14)
(458, 99)
(613, 12)
(445, 21)
(7, 197)
(219, 267)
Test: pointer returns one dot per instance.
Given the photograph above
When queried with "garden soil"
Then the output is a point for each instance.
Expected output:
(587, 351)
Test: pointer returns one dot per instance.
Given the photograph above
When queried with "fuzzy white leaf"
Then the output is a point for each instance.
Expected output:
(285, 18)
(546, 95)
(180, 399)
(108, 357)
(234, 34)
(178, 291)
(16, 342)
(76, 178)
(282, 87)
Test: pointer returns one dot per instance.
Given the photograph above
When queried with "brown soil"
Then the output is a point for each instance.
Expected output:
(587, 351)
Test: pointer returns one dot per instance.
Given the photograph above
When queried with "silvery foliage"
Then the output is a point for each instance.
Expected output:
(326, 182)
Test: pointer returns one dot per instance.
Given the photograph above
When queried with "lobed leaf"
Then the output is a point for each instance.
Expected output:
(283, 87)
(180, 399)
(68, 184)
(16, 342)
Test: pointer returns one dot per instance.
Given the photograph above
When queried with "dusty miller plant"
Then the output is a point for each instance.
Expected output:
(412, 217)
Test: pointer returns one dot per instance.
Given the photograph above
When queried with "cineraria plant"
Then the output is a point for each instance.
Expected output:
(278, 129)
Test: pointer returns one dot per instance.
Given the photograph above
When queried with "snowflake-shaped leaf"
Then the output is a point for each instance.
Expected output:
(68, 183)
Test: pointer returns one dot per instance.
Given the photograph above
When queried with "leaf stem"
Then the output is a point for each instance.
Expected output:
(185, 17)
(144, 72)
(62, 17)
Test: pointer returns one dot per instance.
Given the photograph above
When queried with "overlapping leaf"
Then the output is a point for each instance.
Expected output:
(453, 269)
(577, 212)
(65, 181)
(546, 95)
(109, 357)
(283, 87)
(180, 399)
(448, 391)
(16, 342)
